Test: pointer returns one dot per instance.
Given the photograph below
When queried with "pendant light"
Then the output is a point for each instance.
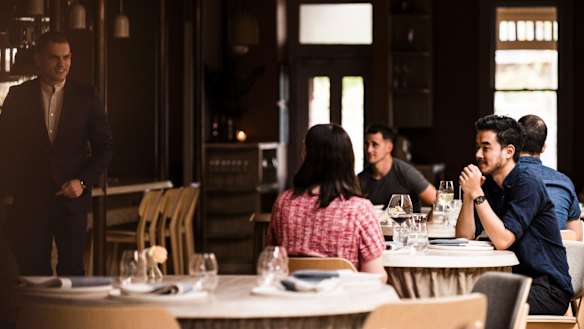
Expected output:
(121, 24)
(77, 16)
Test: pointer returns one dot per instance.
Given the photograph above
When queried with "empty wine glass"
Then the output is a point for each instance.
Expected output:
(204, 269)
(272, 265)
(400, 210)
(132, 267)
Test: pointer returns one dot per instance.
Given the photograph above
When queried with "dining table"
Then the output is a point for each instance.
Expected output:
(442, 272)
(236, 304)
(435, 230)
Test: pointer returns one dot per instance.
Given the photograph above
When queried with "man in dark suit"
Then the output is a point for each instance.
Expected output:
(55, 142)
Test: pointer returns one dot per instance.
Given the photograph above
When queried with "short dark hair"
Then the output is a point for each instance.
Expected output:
(508, 131)
(534, 133)
(384, 129)
(329, 163)
(43, 41)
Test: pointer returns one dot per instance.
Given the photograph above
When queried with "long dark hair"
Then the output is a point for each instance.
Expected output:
(328, 163)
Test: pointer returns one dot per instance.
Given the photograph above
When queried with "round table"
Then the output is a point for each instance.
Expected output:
(232, 305)
(436, 273)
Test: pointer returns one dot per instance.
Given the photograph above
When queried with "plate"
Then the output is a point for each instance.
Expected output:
(465, 247)
(191, 296)
(281, 292)
(67, 291)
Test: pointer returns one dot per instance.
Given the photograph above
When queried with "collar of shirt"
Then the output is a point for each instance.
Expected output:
(47, 88)
(530, 159)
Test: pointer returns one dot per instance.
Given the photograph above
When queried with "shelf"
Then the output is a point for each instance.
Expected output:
(412, 91)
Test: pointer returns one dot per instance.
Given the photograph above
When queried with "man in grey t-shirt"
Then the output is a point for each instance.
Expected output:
(386, 175)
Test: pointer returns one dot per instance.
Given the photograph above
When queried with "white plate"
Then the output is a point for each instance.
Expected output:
(465, 247)
(281, 292)
(67, 291)
(194, 295)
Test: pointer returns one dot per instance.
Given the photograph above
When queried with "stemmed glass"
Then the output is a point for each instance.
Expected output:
(272, 265)
(203, 267)
(445, 197)
(132, 267)
(400, 210)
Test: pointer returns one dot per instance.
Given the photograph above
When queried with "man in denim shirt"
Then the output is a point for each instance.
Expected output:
(512, 206)
(559, 187)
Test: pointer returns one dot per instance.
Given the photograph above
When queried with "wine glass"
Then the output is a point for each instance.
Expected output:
(400, 210)
(132, 267)
(272, 265)
(445, 196)
(203, 267)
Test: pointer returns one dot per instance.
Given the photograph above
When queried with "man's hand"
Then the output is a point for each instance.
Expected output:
(471, 179)
(71, 189)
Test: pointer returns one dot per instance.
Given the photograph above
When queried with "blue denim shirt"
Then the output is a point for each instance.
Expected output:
(559, 187)
(527, 211)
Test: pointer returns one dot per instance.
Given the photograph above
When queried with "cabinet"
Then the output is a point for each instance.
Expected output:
(240, 179)
(411, 63)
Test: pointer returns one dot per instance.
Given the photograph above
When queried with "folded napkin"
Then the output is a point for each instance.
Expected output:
(165, 288)
(325, 285)
(64, 282)
(449, 242)
(343, 275)
(393, 245)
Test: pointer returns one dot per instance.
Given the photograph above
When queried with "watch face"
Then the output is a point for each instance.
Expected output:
(480, 199)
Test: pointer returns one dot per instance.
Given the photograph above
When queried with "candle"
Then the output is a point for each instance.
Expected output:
(241, 136)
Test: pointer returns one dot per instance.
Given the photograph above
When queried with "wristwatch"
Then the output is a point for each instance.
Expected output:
(83, 186)
(479, 199)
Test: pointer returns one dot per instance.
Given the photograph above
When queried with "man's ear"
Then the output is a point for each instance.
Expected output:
(510, 150)
(543, 148)
(390, 147)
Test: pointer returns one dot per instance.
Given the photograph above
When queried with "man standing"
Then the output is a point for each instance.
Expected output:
(559, 187)
(55, 142)
(513, 207)
(386, 175)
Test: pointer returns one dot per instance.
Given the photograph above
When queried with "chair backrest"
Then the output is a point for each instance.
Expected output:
(507, 293)
(149, 211)
(184, 223)
(568, 235)
(575, 255)
(60, 316)
(319, 263)
(455, 312)
(169, 211)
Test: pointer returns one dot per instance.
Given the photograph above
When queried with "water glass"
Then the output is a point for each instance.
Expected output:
(205, 271)
(132, 267)
(455, 207)
(272, 266)
(417, 241)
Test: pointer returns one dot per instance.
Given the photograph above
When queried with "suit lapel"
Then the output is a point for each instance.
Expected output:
(39, 111)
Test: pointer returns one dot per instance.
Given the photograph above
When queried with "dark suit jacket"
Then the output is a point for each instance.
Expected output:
(31, 169)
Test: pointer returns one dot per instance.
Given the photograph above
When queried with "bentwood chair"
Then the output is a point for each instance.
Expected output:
(168, 214)
(574, 318)
(70, 316)
(319, 263)
(454, 312)
(507, 299)
(183, 226)
(142, 232)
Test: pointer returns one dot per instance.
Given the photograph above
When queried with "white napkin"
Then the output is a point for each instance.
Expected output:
(165, 288)
(295, 284)
(64, 282)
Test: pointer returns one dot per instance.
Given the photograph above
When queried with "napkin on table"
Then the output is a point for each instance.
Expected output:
(296, 284)
(64, 282)
(164, 288)
(393, 245)
(449, 242)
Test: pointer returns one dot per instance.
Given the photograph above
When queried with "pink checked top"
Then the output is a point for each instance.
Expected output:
(346, 228)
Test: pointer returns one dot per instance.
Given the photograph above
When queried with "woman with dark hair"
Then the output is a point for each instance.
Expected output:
(323, 215)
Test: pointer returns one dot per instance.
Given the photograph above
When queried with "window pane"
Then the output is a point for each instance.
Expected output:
(349, 23)
(352, 115)
(319, 95)
(540, 103)
(526, 69)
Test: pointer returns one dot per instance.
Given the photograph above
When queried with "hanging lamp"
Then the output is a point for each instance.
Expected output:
(77, 16)
(121, 23)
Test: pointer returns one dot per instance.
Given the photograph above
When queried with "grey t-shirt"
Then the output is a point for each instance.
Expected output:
(403, 178)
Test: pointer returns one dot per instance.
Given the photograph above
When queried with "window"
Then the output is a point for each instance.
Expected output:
(526, 74)
(343, 24)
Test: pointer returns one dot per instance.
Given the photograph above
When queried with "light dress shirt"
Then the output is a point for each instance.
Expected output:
(52, 96)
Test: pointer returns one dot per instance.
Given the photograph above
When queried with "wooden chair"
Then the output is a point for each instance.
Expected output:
(456, 312)
(319, 263)
(507, 296)
(168, 214)
(183, 225)
(60, 316)
(575, 317)
(140, 233)
(568, 235)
